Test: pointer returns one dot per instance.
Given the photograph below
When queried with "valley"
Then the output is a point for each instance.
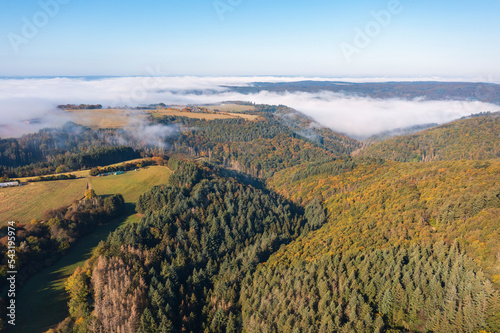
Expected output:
(237, 218)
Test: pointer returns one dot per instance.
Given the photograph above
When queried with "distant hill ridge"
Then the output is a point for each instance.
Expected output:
(474, 138)
(438, 91)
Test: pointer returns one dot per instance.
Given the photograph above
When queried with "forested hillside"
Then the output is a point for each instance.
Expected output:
(271, 225)
(475, 138)
(377, 205)
(390, 220)
(75, 147)
(430, 288)
(181, 267)
(273, 120)
(392, 256)
(280, 138)
(72, 147)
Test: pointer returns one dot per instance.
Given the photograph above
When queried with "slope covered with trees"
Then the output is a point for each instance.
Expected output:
(398, 289)
(475, 138)
(75, 147)
(43, 242)
(272, 121)
(279, 139)
(272, 225)
(376, 205)
(376, 214)
(71, 147)
(212, 254)
(184, 263)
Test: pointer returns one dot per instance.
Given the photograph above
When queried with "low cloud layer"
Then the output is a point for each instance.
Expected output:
(27, 115)
(363, 116)
(23, 100)
(150, 135)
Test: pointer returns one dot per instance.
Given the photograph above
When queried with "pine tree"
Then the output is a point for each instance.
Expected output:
(387, 302)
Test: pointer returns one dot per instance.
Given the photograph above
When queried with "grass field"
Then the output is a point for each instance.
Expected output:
(195, 115)
(105, 118)
(30, 201)
(27, 202)
(117, 118)
(131, 184)
(235, 108)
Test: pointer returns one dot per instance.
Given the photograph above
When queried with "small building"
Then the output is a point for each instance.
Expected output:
(119, 173)
(9, 184)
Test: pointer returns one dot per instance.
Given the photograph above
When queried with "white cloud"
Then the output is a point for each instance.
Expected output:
(23, 99)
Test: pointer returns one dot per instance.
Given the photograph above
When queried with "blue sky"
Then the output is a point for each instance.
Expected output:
(295, 37)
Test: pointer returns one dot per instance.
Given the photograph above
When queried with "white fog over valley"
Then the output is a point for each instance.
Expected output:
(27, 105)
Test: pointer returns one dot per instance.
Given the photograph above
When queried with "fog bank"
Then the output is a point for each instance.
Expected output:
(27, 105)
